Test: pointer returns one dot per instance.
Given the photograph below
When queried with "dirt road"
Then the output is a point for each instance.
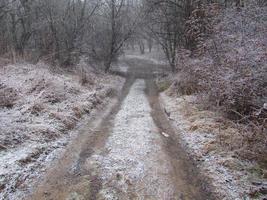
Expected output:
(129, 152)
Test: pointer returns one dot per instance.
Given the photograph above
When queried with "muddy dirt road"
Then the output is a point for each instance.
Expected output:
(128, 152)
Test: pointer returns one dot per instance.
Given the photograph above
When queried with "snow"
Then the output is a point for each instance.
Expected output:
(155, 57)
(152, 60)
(36, 128)
(121, 66)
(135, 158)
(228, 183)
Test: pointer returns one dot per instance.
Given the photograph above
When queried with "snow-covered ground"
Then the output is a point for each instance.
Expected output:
(198, 129)
(38, 111)
(154, 57)
(135, 166)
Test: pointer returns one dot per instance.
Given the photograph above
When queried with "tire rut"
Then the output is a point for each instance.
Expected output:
(69, 178)
(185, 172)
(126, 156)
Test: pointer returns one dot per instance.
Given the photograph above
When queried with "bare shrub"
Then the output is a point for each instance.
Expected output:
(8, 96)
(240, 95)
(31, 156)
(109, 92)
(193, 72)
(39, 86)
(237, 79)
(54, 97)
(187, 85)
(4, 62)
(69, 123)
(36, 109)
(86, 79)
(199, 25)
(56, 115)
(227, 66)
(84, 73)
(78, 112)
(230, 65)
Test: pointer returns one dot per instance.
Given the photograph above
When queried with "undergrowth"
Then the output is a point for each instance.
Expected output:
(227, 69)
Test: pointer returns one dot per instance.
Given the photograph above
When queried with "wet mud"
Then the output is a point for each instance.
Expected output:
(129, 152)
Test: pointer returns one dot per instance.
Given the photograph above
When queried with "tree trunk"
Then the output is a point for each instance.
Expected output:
(107, 66)
(150, 44)
(142, 47)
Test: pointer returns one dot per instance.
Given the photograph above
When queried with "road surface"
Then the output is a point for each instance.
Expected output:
(128, 152)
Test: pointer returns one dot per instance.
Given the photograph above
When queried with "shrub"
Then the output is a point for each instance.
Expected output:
(36, 109)
(84, 72)
(163, 85)
(227, 66)
(229, 60)
(8, 96)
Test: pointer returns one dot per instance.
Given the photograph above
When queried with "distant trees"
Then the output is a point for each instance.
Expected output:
(62, 30)
(169, 23)
(48, 28)
(224, 59)
(166, 23)
(120, 22)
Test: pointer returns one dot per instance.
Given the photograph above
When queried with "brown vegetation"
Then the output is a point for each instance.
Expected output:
(8, 96)
(226, 67)
(61, 31)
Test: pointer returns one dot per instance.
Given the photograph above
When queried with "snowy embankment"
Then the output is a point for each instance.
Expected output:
(38, 111)
(201, 132)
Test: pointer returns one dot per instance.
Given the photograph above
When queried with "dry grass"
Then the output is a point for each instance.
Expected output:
(246, 143)
(4, 61)
(84, 73)
(228, 61)
(31, 157)
(78, 112)
(69, 123)
(85, 79)
(163, 85)
(8, 96)
(37, 108)
(227, 70)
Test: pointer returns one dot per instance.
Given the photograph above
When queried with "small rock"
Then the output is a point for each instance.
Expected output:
(75, 196)
(165, 134)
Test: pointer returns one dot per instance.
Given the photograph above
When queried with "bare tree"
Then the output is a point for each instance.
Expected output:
(166, 24)
(63, 30)
(121, 24)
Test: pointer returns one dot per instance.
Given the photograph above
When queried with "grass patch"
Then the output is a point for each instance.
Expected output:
(163, 85)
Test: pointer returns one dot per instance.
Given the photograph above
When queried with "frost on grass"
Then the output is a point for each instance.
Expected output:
(204, 134)
(226, 71)
(38, 108)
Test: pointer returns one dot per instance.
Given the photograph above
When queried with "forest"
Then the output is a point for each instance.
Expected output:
(87, 83)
